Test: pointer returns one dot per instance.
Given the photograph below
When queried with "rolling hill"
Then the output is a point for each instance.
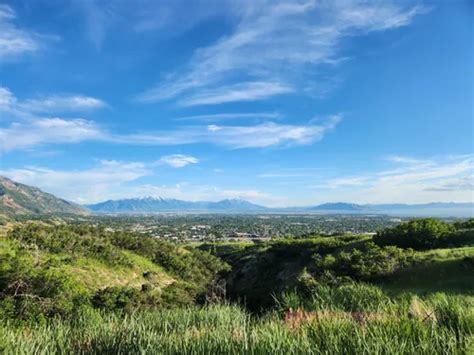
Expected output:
(20, 199)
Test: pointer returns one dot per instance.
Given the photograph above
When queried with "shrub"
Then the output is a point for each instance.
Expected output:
(125, 299)
(417, 234)
(75, 240)
(31, 292)
(371, 262)
(469, 224)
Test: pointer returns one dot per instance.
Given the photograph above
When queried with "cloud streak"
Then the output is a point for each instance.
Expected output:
(16, 41)
(229, 116)
(46, 131)
(250, 91)
(237, 137)
(178, 160)
(62, 103)
(410, 181)
(275, 42)
(39, 132)
(47, 104)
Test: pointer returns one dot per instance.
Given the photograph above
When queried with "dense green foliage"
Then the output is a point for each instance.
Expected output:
(426, 233)
(469, 224)
(262, 270)
(34, 284)
(190, 264)
(86, 289)
(29, 290)
(367, 263)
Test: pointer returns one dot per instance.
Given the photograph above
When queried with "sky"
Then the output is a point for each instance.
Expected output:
(281, 103)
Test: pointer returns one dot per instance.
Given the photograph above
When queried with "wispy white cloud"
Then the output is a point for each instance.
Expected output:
(15, 40)
(7, 99)
(162, 18)
(230, 116)
(347, 181)
(32, 130)
(465, 183)
(235, 137)
(47, 104)
(97, 19)
(405, 160)
(411, 180)
(48, 131)
(276, 42)
(281, 175)
(44, 131)
(250, 91)
(62, 103)
(178, 160)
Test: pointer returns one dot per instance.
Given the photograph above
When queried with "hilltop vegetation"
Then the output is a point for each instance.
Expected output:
(77, 288)
(49, 270)
(262, 270)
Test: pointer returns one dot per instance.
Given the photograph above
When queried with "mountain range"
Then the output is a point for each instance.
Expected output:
(157, 205)
(18, 199)
(152, 204)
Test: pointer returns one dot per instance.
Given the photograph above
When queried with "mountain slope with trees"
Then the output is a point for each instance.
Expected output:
(20, 199)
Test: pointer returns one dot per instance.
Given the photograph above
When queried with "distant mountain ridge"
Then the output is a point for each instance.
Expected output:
(339, 206)
(158, 204)
(20, 199)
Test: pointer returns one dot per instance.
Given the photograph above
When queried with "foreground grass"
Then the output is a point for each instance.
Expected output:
(228, 329)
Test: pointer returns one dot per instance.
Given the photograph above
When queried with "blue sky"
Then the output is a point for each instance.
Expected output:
(277, 102)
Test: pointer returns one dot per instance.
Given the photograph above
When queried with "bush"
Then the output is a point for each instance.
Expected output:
(469, 224)
(125, 299)
(75, 240)
(369, 263)
(418, 234)
(31, 292)
(191, 264)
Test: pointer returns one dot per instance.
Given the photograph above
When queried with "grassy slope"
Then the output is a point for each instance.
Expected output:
(93, 274)
(442, 270)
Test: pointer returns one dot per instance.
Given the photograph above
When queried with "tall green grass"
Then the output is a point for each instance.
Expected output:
(224, 329)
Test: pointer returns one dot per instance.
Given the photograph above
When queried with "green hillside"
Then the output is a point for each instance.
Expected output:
(51, 269)
(262, 270)
(19, 199)
(78, 288)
